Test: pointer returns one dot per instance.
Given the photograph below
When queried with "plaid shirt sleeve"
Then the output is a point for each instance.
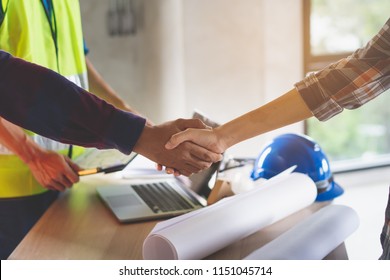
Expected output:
(350, 82)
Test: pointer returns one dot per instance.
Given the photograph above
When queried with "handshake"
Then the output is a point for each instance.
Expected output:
(183, 146)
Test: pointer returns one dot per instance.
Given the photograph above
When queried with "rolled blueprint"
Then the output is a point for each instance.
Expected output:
(313, 238)
(202, 232)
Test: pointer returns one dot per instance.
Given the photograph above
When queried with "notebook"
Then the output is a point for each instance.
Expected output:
(157, 198)
(95, 161)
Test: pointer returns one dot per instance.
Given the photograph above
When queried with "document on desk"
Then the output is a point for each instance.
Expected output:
(313, 238)
(205, 231)
(142, 167)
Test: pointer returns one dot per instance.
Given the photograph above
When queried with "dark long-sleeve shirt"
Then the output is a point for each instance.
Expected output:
(46, 103)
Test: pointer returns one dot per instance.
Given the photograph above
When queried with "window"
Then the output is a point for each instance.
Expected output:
(333, 29)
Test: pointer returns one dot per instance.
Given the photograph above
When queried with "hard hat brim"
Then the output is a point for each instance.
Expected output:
(334, 191)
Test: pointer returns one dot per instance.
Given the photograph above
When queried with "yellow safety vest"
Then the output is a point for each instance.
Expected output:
(55, 41)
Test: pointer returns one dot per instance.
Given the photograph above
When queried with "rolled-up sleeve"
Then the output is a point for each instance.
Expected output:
(350, 82)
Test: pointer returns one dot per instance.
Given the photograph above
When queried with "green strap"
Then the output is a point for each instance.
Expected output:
(2, 13)
(3, 3)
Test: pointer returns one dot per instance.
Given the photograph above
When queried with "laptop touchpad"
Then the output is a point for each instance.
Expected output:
(124, 200)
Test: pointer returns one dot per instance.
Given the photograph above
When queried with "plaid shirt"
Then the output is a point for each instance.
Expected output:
(350, 83)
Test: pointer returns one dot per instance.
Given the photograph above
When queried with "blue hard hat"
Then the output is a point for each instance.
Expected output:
(291, 149)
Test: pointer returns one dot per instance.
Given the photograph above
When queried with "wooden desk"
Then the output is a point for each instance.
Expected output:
(79, 226)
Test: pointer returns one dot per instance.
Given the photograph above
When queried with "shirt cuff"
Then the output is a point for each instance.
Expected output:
(125, 131)
(322, 106)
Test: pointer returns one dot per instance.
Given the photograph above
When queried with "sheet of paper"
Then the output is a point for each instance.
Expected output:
(142, 167)
(203, 232)
(313, 238)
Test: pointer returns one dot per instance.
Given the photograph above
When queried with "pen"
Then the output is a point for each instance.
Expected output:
(113, 168)
(89, 171)
(100, 169)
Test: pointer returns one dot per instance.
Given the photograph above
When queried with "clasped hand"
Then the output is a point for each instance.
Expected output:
(180, 156)
(185, 158)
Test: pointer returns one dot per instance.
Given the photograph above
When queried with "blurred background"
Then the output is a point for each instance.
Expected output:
(226, 57)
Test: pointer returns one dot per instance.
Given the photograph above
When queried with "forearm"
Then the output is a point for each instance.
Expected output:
(102, 89)
(51, 170)
(99, 87)
(16, 140)
(42, 101)
(287, 109)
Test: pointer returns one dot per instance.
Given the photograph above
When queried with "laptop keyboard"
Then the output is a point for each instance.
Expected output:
(161, 197)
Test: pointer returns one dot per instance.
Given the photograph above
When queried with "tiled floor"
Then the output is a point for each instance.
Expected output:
(367, 193)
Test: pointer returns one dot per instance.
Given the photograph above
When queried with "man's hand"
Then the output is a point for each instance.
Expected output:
(187, 158)
(202, 137)
(54, 171)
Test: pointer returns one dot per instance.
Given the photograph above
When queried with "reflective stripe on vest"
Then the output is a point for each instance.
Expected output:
(57, 44)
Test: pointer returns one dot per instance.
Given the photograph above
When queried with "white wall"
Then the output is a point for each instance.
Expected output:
(224, 57)
(283, 51)
(116, 58)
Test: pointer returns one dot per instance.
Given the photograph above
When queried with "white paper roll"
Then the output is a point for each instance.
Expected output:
(200, 233)
(313, 238)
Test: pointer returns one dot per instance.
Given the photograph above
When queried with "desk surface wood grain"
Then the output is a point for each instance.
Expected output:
(79, 226)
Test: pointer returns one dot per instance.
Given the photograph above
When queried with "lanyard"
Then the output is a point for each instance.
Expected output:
(51, 18)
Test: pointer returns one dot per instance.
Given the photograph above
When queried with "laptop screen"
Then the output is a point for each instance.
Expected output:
(203, 182)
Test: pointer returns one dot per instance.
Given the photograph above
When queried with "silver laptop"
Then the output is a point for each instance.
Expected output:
(149, 199)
